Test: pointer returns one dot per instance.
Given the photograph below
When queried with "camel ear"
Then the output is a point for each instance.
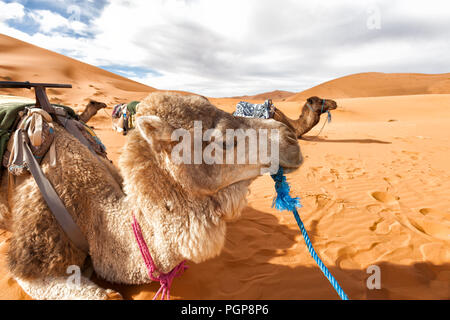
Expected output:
(153, 129)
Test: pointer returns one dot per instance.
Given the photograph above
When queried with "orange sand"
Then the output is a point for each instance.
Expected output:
(375, 188)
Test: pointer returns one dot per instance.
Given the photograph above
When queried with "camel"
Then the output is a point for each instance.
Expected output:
(91, 110)
(309, 117)
(182, 208)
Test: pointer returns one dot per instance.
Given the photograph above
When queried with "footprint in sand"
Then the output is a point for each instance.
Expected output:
(433, 223)
(413, 155)
(384, 197)
(393, 180)
(434, 213)
(54, 92)
(352, 172)
(335, 173)
(313, 172)
(374, 208)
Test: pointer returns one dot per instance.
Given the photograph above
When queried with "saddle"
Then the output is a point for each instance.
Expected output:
(38, 127)
(32, 136)
(123, 116)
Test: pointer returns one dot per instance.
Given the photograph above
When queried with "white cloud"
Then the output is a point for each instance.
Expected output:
(224, 48)
(9, 11)
(49, 21)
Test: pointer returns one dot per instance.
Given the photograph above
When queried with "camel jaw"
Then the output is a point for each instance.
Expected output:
(244, 183)
(332, 105)
(289, 170)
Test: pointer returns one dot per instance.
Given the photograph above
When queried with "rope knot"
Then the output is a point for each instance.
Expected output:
(165, 279)
(283, 200)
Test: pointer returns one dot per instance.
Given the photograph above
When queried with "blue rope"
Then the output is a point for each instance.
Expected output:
(328, 111)
(284, 201)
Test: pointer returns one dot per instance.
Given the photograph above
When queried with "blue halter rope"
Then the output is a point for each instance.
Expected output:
(284, 201)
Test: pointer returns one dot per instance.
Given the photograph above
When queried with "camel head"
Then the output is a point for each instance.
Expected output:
(91, 110)
(319, 105)
(200, 147)
(96, 105)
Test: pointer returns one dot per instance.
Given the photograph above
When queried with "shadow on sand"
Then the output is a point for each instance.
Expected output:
(248, 269)
(318, 139)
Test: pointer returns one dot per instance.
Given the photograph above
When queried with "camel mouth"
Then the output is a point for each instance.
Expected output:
(333, 106)
(292, 159)
(292, 162)
(288, 170)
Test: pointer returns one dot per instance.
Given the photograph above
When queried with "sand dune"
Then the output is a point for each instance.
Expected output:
(21, 61)
(375, 189)
(378, 84)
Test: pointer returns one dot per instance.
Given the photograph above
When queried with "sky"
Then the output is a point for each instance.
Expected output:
(236, 47)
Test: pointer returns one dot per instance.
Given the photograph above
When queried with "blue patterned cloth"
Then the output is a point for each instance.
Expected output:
(250, 110)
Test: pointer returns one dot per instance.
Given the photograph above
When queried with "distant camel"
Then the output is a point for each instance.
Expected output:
(91, 110)
(309, 117)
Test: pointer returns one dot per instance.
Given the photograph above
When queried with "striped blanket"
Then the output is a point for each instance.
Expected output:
(250, 110)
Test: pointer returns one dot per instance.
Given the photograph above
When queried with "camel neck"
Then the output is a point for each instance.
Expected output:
(168, 213)
(307, 120)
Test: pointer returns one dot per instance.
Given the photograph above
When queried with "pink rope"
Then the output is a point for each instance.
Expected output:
(165, 279)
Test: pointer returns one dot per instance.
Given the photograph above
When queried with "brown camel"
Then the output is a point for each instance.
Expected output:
(182, 208)
(91, 110)
(309, 117)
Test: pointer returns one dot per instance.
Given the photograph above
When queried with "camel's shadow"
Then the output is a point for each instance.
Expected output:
(261, 261)
(318, 139)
